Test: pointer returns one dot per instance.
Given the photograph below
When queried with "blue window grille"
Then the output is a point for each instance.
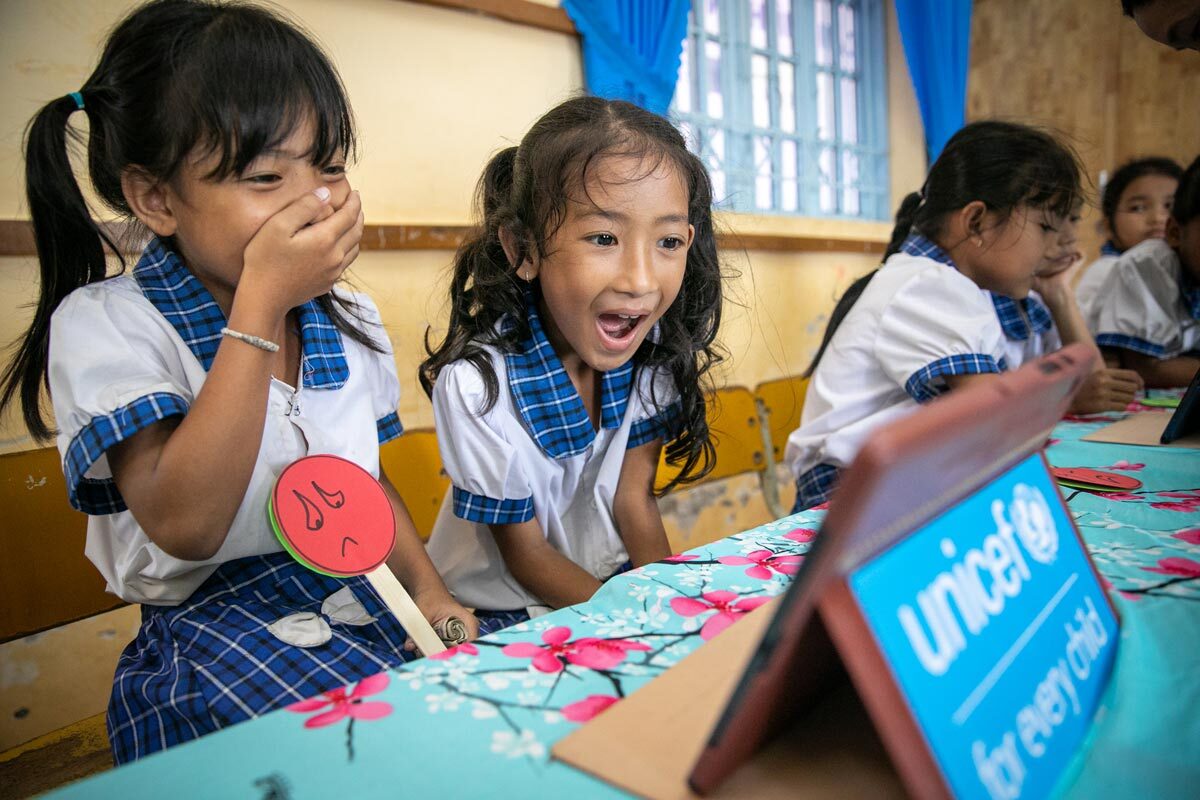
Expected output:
(786, 103)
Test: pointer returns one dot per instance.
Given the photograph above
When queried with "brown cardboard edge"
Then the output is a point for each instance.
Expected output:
(1144, 429)
(647, 743)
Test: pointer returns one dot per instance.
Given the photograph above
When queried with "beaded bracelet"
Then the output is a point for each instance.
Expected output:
(256, 341)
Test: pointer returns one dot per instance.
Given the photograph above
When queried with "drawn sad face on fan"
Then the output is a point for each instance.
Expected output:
(332, 516)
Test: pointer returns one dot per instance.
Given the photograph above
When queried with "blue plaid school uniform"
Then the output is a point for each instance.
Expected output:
(1149, 304)
(213, 661)
(535, 455)
(916, 324)
(134, 350)
(1029, 330)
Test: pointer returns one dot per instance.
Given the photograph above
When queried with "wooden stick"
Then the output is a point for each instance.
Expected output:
(398, 600)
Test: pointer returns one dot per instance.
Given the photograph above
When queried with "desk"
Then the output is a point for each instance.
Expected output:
(480, 722)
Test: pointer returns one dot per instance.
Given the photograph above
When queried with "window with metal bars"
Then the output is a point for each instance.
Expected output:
(786, 103)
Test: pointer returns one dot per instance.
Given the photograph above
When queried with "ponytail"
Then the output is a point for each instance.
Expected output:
(906, 216)
(483, 286)
(70, 248)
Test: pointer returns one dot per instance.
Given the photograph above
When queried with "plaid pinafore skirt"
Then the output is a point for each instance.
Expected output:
(212, 661)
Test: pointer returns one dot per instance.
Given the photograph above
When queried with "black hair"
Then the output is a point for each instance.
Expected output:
(176, 78)
(1187, 196)
(1129, 172)
(1001, 164)
(524, 192)
(1129, 6)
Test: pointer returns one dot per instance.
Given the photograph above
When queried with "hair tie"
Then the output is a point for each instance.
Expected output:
(78, 98)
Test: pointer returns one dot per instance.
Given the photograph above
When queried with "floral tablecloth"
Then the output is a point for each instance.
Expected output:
(479, 721)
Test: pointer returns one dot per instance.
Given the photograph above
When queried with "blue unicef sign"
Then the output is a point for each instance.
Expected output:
(997, 632)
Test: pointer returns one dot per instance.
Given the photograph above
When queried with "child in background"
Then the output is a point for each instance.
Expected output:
(1136, 205)
(992, 206)
(1149, 305)
(182, 390)
(1049, 318)
(582, 322)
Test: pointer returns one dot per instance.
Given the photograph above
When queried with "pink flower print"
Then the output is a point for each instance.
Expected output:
(802, 535)
(1190, 536)
(1183, 506)
(466, 648)
(1119, 496)
(603, 653)
(727, 605)
(1125, 465)
(346, 704)
(1179, 567)
(588, 652)
(680, 558)
(545, 659)
(588, 707)
(764, 562)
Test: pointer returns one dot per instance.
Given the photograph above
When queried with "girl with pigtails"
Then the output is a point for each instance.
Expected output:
(582, 322)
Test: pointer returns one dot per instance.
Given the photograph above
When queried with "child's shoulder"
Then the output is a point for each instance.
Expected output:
(1150, 254)
(1151, 263)
(907, 279)
(464, 376)
(116, 301)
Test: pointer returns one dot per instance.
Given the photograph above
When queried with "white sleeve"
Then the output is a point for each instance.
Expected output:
(384, 380)
(938, 324)
(1137, 306)
(489, 485)
(658, 408)
(113, 370)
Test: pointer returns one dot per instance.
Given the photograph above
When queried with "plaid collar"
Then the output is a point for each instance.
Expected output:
(187, 305)
(1109, 249)
(918, 245)
(546, 399)
(1021, 319)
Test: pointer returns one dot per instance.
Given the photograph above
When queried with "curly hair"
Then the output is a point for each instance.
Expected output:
(524, 192)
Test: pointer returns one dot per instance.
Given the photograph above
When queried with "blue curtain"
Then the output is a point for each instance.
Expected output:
(631, 47)
(937, 39)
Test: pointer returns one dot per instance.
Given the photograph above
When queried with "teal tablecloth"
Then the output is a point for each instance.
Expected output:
(480, 723)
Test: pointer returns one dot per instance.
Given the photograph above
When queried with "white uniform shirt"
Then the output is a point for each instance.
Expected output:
(535, 455)
(1087, 291)
(1147, 304)
(135, 349)
(917, 321)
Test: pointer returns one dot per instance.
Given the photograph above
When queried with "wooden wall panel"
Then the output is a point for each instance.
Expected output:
(1080, 68)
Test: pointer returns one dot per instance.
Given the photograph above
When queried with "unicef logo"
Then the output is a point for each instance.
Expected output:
(1034, 523)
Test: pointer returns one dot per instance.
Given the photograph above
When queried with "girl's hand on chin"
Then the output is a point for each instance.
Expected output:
(1054, 277)
(302, 251)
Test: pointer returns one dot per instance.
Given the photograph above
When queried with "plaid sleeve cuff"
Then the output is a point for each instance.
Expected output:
(1123, 342)
(100, 496)
(663, 425)
(924, 385)
(490, 511)
(389, 427)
